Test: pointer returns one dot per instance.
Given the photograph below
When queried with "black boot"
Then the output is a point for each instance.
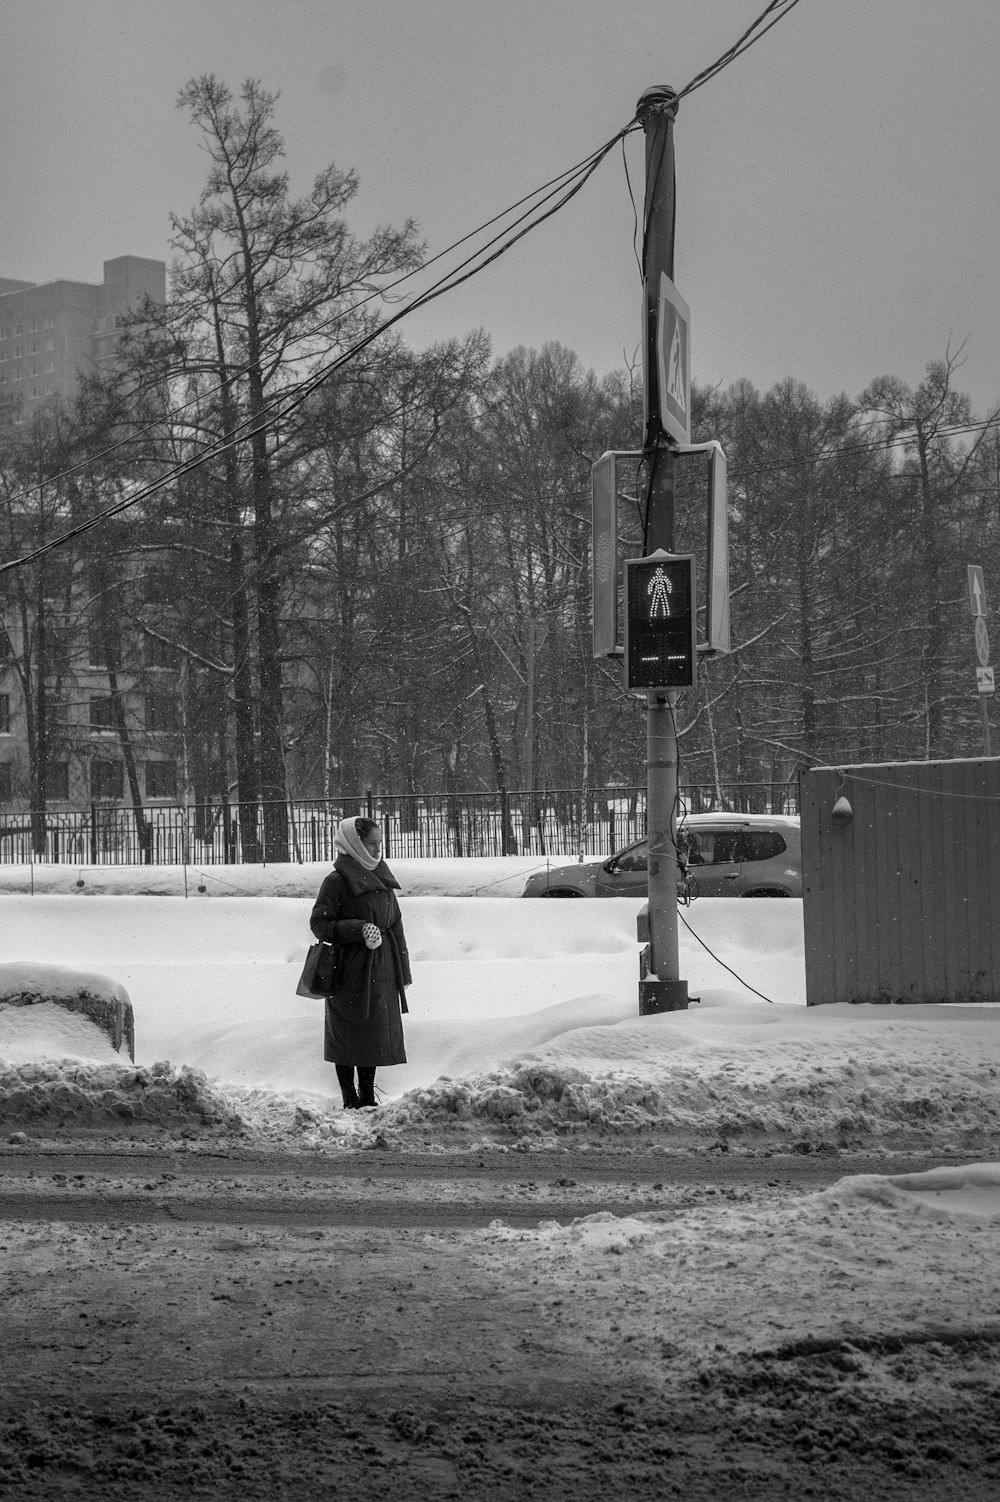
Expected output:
(345, 1078)
(366, 1087)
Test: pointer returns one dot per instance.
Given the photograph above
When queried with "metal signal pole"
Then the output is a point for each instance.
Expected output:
(660, 989)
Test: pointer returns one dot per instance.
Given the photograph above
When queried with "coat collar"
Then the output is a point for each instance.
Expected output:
(359, 880)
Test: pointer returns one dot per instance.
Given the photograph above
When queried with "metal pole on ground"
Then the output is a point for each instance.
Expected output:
(660, 988)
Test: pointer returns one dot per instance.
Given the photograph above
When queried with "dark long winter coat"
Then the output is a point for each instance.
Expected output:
(363, 1022)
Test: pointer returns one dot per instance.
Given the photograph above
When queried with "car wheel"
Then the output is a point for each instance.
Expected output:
(561, 892)
(766, 892)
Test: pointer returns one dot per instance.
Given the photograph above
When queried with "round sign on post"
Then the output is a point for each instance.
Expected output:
(982, 642)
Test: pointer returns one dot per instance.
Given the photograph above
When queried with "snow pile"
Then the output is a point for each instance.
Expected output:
(523, 1031)
(473, 876)
(71, 1095)
(25, 985)
(26, 982)
(48, 1031)
(840, 1105)
(870, 1262)
(969, 1194)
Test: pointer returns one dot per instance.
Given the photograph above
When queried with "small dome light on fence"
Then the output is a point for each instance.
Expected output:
(843, 813)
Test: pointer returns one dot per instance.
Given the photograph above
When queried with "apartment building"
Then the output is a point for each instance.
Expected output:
(52, 332)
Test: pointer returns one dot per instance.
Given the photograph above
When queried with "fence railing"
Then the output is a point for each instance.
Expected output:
(563, 823)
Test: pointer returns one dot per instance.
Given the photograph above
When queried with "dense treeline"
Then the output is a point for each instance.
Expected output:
(382, 579)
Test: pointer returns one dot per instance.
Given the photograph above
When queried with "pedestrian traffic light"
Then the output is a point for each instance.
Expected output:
(660, 609)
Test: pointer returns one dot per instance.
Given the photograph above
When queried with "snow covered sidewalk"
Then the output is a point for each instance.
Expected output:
(523, 1029)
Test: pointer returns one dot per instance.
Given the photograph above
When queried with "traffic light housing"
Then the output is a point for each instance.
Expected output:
(660, 610)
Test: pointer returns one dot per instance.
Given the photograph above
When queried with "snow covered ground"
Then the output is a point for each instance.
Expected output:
(523, 1034)
(523, 1029)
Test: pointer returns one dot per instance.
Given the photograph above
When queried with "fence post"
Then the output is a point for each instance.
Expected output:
(93, 833)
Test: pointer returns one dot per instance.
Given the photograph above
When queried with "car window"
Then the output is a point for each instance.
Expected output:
(635, 859)
(712, 847)
(762, 845)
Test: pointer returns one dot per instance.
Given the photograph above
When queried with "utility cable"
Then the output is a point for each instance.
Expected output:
(715, 957)
(635, 212)
(340, 317)
(576, 177)
(294, 397)
(745, 42)
(905, 787)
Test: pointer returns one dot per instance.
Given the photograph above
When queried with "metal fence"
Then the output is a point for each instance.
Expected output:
(563, 823)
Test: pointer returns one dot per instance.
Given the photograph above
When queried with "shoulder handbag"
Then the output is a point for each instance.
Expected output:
(318, 972)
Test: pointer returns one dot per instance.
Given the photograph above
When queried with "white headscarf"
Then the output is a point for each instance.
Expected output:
(349, 842)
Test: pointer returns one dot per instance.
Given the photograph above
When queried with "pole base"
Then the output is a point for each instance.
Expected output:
(662, 996)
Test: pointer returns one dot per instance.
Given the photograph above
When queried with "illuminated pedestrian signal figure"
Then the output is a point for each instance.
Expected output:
(660, 609)
(660, 587)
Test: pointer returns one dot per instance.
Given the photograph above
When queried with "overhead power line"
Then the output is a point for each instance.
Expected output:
(752, 34)
(543, 202)
(874, 445)
(560, 189)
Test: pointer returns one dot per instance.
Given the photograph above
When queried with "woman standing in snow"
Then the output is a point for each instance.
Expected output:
(357, 912)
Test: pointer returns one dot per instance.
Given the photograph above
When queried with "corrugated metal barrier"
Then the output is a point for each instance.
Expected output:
(901, 882)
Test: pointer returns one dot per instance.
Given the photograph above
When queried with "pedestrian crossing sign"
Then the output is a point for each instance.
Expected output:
(673, 359)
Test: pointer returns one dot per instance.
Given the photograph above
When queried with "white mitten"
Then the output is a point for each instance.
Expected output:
(372, 935)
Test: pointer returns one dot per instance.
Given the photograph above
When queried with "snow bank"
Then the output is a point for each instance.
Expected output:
(102, 1000)
(523, 1030)
(497, 876)
(970, 1193)
(72, 1095)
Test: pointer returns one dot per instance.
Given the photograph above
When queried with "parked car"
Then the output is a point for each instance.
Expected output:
(726, 855)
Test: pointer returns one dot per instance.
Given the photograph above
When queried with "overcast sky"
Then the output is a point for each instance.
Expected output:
(838, 194)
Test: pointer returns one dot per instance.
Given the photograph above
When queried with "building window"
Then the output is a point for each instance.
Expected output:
(106, 778)
(4, 714)
(159, 653)
(161, 712)
(158, 585)
(59, 646)
(57, 781)
(161, 779)
(97, 656)
(6, 782)
(102, 712)
(57, 576)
